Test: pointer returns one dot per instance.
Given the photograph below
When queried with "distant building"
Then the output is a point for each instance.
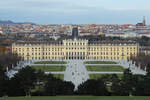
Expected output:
(5, 49)
(143, 22)
(76, 49)
(114, 35)
(145, 50)
(130, 34)
(142, 29)
(144, 34)
(75, 31)
(1, 31)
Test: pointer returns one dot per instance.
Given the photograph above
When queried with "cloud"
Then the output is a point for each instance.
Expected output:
(74, 5)
(75, 11)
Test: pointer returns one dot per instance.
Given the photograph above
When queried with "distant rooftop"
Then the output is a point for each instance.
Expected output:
(96, 42)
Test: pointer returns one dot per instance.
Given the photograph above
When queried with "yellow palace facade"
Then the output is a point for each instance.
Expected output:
(75, 49)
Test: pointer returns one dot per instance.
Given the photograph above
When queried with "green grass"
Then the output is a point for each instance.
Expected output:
(51, 62)
(79, 98)
(60, 76)
(50, 68)
(105, 68)
(100, 62)
(96, 76)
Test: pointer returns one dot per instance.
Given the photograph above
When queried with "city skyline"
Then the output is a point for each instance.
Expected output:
(73, 12)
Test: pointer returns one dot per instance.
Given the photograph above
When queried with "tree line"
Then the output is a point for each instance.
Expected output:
(29, 82)
(9, 59)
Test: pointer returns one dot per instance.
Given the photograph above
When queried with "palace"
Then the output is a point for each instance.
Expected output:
(76, 49)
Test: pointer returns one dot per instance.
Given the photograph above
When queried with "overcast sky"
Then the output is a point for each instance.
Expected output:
(75, 11)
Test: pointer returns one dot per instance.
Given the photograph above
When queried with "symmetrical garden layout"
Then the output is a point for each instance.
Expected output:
(78, 71)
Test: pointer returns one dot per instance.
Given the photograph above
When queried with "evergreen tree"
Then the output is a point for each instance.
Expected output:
(22, 83)
(3, 81)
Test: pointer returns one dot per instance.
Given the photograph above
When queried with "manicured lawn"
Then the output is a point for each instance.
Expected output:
(50, 68)
(79, 98)
(105, 68)
(51, 62)
(96, 76)
(100, 62)
(60, 76)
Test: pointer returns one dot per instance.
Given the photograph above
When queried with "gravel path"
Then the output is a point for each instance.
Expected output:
(76, 72)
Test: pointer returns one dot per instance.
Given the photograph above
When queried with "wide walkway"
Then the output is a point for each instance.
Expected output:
(76, 72)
